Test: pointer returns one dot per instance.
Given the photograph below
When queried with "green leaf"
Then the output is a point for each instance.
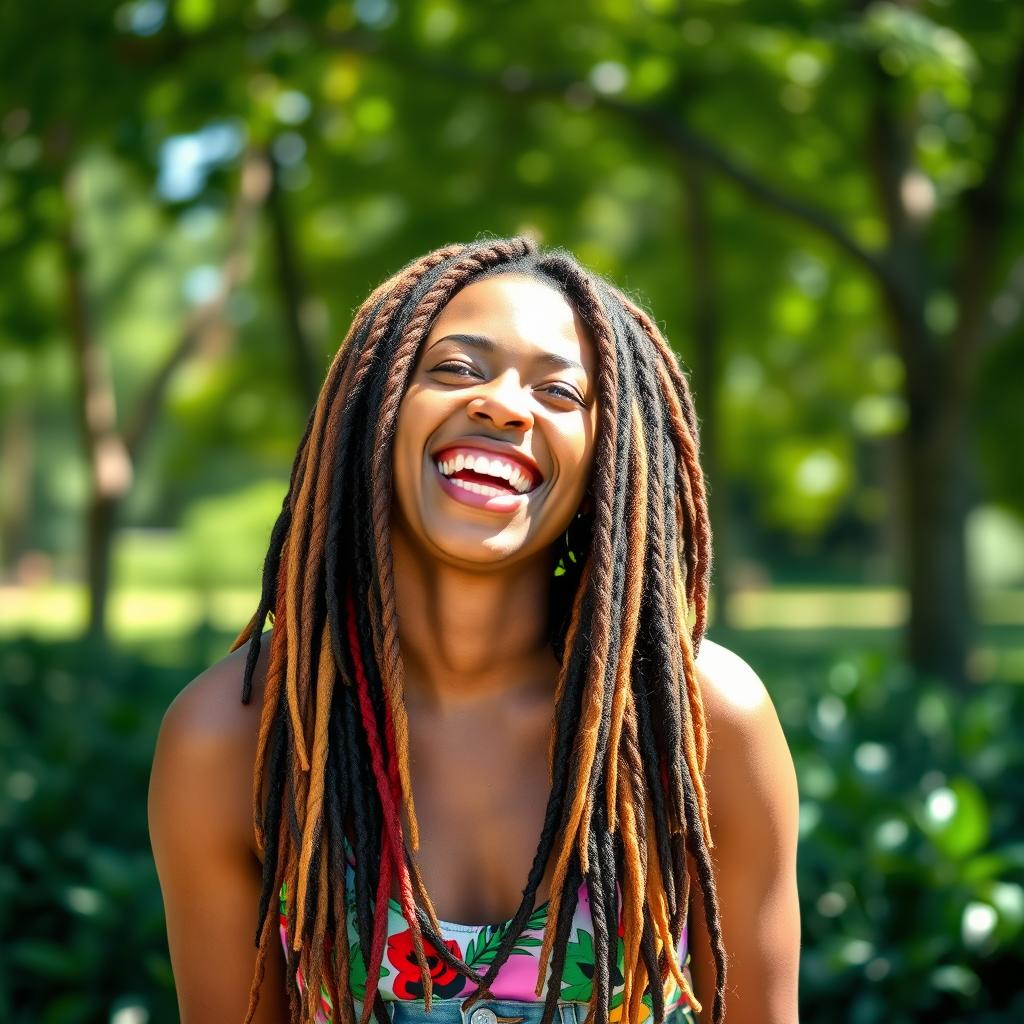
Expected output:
(578, 975)
(357, 972)
(477, 947)
(538, 919)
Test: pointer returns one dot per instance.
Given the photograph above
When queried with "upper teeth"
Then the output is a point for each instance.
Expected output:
(490, 467)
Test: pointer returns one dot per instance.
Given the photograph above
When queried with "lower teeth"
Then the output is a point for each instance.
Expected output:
(491, 492)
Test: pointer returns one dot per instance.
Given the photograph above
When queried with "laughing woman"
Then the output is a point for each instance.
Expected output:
(485, 765)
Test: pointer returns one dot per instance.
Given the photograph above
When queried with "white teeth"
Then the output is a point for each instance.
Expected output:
(490, 492)
(515, 476)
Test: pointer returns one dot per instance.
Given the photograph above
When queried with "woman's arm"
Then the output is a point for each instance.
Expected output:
(199, 822)
(754, 811)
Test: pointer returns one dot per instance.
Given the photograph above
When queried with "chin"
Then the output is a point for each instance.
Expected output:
(484, 551)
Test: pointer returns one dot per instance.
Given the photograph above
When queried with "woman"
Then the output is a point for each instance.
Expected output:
(488, 583)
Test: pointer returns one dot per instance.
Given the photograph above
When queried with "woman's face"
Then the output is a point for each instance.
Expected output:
(496, 433)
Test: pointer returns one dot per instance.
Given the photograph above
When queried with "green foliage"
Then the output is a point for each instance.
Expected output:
(396, 128)
(911, 865)
(83, 926)
(221, 534)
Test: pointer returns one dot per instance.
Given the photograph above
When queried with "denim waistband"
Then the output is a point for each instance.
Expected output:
(491, 1011)
(484, 1011)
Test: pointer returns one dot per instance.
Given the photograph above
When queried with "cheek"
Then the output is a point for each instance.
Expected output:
(408, 449)
(418, 419)
(577, 449)
(411, 429)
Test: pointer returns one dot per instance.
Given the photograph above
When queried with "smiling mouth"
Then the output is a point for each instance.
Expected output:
(490, 476)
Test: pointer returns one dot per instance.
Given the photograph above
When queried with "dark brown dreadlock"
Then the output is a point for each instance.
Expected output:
(628, 746)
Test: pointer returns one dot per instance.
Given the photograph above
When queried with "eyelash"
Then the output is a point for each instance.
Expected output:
(447, 368)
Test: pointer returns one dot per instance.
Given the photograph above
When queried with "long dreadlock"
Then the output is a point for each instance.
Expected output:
(628, 746)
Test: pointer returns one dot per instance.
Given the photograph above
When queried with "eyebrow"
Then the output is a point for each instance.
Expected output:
(485, 344)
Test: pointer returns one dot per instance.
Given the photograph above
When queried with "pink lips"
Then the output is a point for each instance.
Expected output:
(489, 502)
(526, 465)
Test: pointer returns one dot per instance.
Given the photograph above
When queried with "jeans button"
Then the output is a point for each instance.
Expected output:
(483, 1016)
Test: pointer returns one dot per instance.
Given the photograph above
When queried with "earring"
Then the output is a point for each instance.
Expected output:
(576, 519)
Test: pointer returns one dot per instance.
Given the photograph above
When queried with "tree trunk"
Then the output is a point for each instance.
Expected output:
(934, 453)
(111, 453)
(109, 466)
(16, 499)
(101, 522)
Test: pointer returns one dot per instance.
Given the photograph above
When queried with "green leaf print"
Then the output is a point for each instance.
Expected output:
(483, 947)
(578, 974)
(538, 919)
(357, 972)
(357, 965)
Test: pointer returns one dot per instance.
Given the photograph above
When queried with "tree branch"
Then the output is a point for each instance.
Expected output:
(661, 123)
(984, 209)
(254, 187)
(889, 160)
(664, 126)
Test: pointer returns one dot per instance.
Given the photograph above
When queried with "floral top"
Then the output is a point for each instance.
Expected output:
(477, 945)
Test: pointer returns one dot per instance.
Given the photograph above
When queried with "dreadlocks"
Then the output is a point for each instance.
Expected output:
(628, 746)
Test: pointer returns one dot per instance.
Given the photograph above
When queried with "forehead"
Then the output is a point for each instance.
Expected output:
(521, 313)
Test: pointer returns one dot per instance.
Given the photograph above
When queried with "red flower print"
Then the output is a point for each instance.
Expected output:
(409, 983)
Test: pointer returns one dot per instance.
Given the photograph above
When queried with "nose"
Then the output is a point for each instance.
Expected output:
(502, 403)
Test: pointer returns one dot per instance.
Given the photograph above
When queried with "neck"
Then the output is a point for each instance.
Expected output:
(468, 637)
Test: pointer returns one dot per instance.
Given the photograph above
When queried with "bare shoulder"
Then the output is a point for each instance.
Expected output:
(210, 708)
(754, 812)
(200, 818)
(730, 687)
(750, 771)
(208, 736)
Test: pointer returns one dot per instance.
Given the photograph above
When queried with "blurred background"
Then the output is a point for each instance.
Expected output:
(821, 202)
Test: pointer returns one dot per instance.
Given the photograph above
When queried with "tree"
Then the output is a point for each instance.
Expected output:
(902, 60)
